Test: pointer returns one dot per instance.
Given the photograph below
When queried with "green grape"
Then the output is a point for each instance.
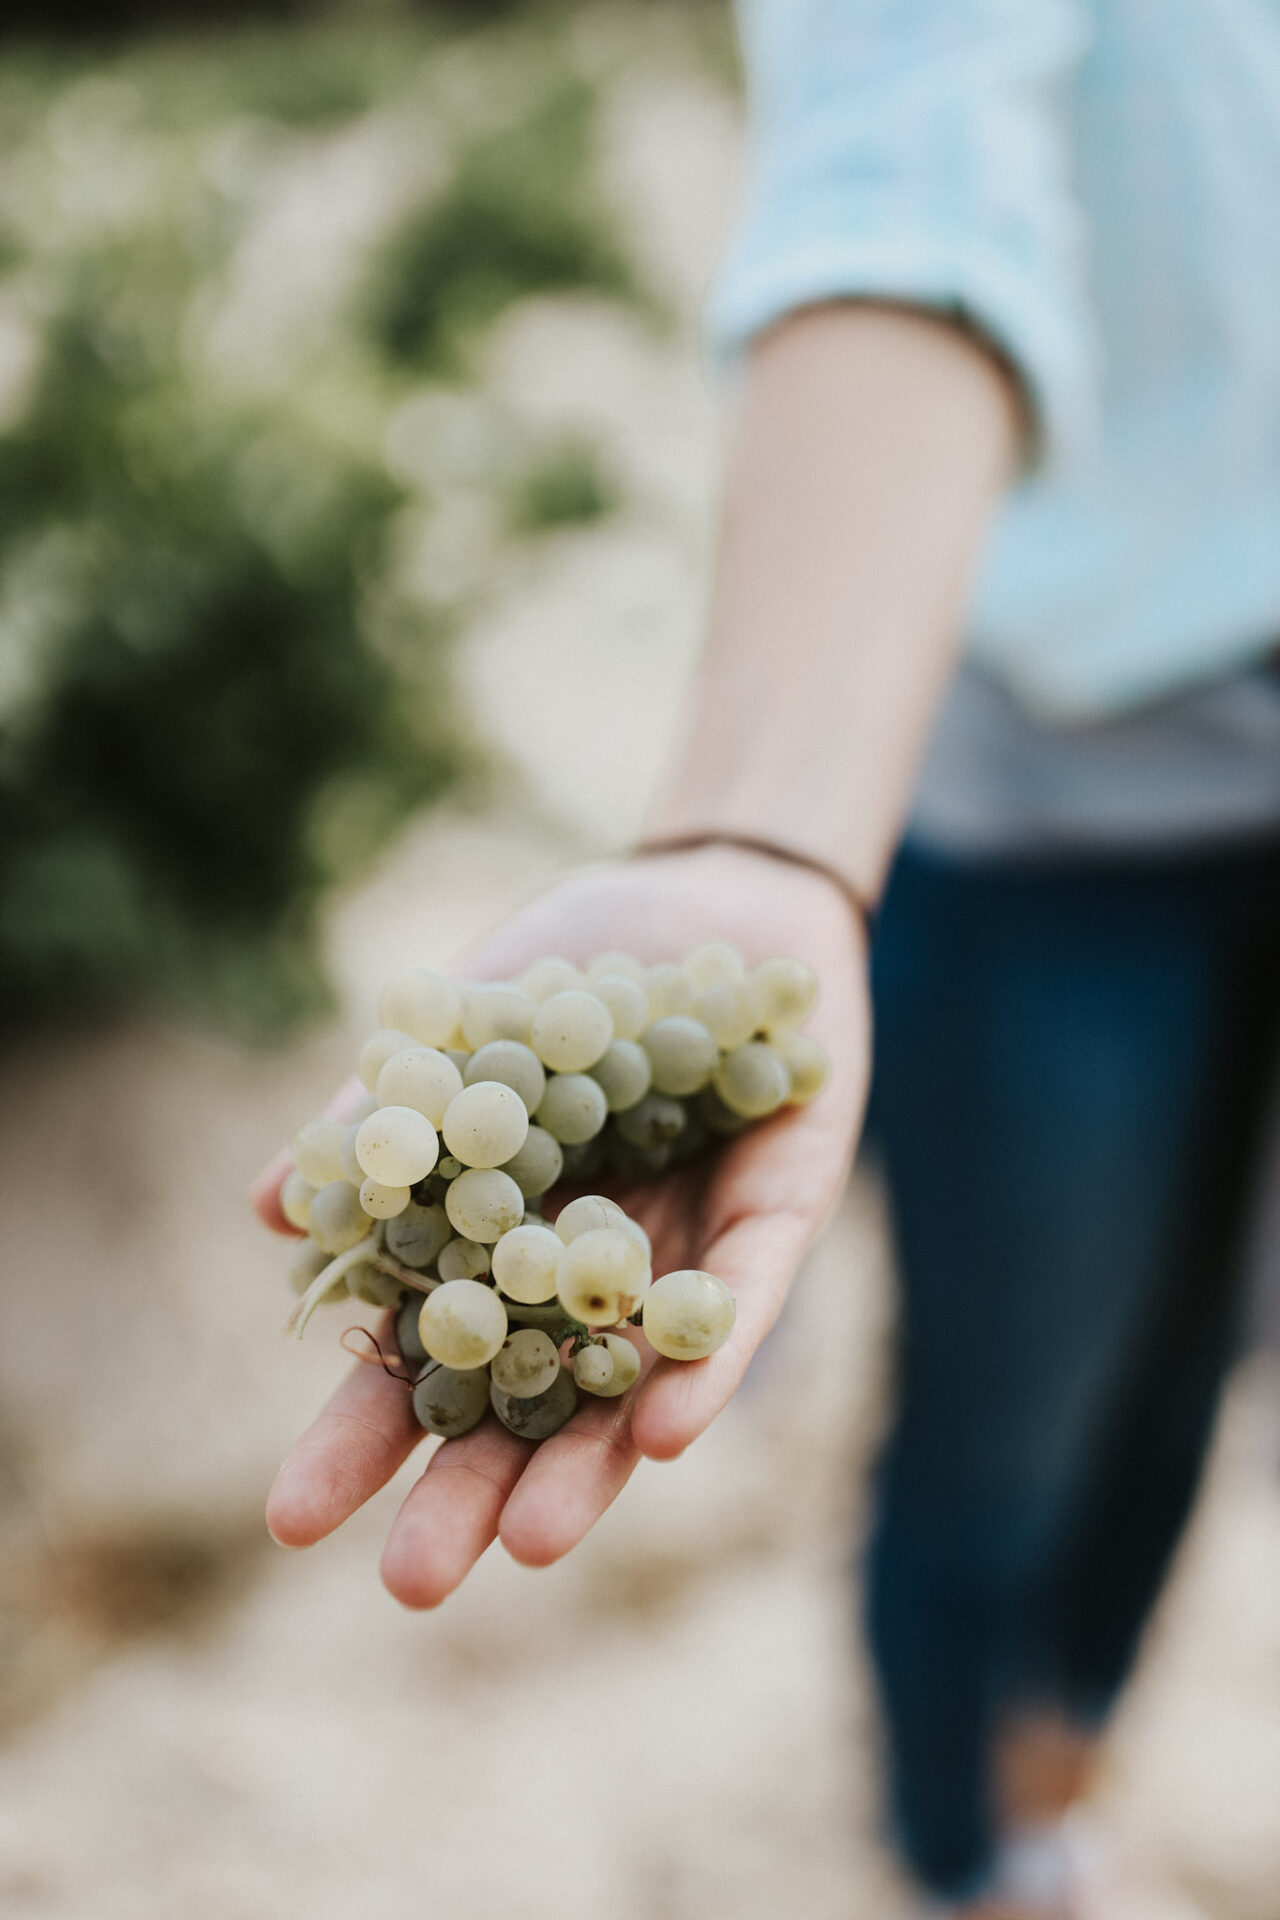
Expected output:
(497, 1012)
(512, 1064)
(447, 1168)
(624, 1074)
(382, 1203)
(593, 1368)
(626, 1365)
(786, 993)
(549, 1315)
(484, 1203)
(571, 1030)
(681, 1053)
(525, 1364)
(462, 1324)
(352, 1171)
(545, 977)
(412, 1351)
(605, 1275)
(375, 1288)
(652, 1122)
(527, 1264)
(688, 1314)
(714, 964)
(306, 1263)
(752, 1080)
(422, 1004)
(712, 1113)
(378, 1049)
(583, 1160)
(639, 1163)
(295, 1200)
(589, 1213)
(573, 1108)
(449, 1401)
(464, 1260)
(315, 1151)
(806, 1063)
(628, 1004)
(422, 1078)
(728, 1012)
(485, 1124)
(538, 1164)
(545, 1414)
(613, 965)
(338, 1221)
(417, 1235)
(669, 990)
(397, 1146)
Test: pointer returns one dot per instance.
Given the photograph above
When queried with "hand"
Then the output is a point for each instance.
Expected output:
(748, 1214)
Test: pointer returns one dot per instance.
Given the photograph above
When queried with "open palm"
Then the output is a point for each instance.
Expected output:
(748, 1213)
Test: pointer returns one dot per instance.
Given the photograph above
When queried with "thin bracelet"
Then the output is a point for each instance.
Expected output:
(863, 909)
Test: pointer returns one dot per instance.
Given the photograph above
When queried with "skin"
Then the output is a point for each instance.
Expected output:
(872, 447)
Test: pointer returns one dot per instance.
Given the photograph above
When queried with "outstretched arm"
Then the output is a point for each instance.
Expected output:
(873, 445)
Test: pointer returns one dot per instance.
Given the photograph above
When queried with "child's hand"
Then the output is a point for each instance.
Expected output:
(748, 1214)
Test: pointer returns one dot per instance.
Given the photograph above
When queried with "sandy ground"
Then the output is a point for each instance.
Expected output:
(675, 1724)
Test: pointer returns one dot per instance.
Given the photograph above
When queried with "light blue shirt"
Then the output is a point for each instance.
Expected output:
(1095, 185)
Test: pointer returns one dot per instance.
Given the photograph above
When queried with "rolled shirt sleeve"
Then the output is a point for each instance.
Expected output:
(920, 150)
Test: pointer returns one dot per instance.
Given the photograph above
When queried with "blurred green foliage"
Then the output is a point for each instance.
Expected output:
(245, 282)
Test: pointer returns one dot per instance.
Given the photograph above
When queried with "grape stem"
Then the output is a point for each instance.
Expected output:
(387, 1262)
(296, 1324)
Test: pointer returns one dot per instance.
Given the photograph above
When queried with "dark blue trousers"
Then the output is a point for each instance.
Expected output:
(1073, 1064)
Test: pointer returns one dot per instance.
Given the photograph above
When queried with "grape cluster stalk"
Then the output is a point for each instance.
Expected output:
(483, 1099)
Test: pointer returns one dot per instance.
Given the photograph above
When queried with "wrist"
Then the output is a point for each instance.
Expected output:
(783, 853)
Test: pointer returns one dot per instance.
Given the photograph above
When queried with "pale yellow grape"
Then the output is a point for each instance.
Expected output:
(382, 1203)
(654, 1121)
(367, 1103)
(417, 1235)
(351, 1168)
(714, 964)
(485, 1124)
(669, 990)
(715, 1116)
(484, 1203)
(307, 1262)
(548, 976)
(573, 1108)
(624, 1074)
(807, 1064)
(463, 1260)
(752, 1080)
(628, 1004)
(338, 1220)
(459, 1057)
(315, 1151)
(295, 1200)
(422, 1004)
(538, 1165)
(786, 992)
(571, 1030)
(496, 1012)
(448, 1401)
(447, 1168)
(593, 1368)
(542, 1415)
(605, 1275)
(420, 1077)
(681, 1053)
(397, 1146)
(615, 962)
(527, 1264)
(589, 1213)
(514, 1065)
(462, 1324)
(525, 1364)
(626, 1365)
(369, 1284)
(687, 1314)
(728, 1013)
(378, 1049)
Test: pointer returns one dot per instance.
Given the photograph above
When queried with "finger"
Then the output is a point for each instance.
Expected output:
(264, 1189)
(757, 1258)
(452, 1514)
(571, 1480)
(365, 1432)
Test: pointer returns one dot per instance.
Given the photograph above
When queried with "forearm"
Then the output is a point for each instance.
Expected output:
(874, 445)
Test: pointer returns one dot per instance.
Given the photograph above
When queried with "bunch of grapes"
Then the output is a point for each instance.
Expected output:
(482, 1098)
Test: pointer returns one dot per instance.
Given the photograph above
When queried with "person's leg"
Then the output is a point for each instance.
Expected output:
(1057, 1052)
